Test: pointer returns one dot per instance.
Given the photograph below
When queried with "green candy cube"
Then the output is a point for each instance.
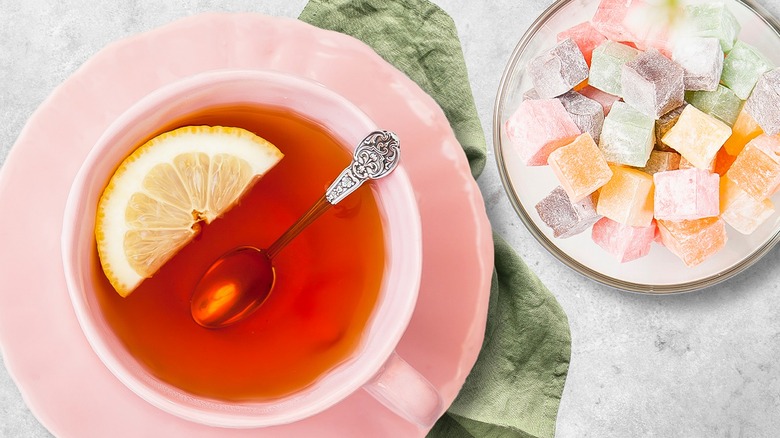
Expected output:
(742, 68)
(722, 103)
(627, 136)
(713, 20)
(606, 66)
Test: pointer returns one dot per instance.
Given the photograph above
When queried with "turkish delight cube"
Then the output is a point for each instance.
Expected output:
(564, 217)
(745, 129)
(586, 113)
(661, 161)
(607, 64)
(697, 136)
(742, 68)
(702, 61)
(693, 241)
(723, 162)
(612, 19)
(625, 242)
(606, 100)
(580, 167)
(757, 168)
(537, 128)
(764, 103)
(740, 210)
(627, 136)
(585, 36)
(712, 20)
(722, 103)
(664, 124)
(686, 194)
(627, 197)
(558, 69)
(652, 83)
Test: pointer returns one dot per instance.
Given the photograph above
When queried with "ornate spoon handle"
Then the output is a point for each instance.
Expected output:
(376, 156)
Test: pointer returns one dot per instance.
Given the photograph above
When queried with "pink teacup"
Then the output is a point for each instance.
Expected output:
(374, 366)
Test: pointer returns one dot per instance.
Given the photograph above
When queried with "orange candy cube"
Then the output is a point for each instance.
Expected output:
(723, 162)
(744, 130)
(627, 197)
(757, 168)
(743, 212)
(693, 240)
(580, 167)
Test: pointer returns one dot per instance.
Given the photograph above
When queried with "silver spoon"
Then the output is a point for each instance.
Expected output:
(226, 294)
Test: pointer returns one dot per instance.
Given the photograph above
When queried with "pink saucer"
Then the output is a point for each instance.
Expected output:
(62, 380)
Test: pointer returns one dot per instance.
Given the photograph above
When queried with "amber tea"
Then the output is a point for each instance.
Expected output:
(328, 278)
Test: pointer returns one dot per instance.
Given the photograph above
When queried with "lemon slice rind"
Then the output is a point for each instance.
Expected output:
(143, 220)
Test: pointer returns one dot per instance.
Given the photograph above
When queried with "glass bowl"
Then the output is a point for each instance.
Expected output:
(660, 271)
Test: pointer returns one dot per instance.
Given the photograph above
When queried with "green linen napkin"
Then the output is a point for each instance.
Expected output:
(515, 387)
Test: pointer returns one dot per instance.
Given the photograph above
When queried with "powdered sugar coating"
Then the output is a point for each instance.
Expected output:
(612, 19)
(757, 168)
(538, 127)
(693, 240)
(586, 113)
(625, 242)
(764, 103)
(580, 167)
(565, 218)
(652, 83)
(722, 103)
(740, 210)
(697, 136)
(606, 65)
(558, 70)
(686, 194)
(702, 61)
(627, 136)
(712, 19)
(742, 67)
(585, 36)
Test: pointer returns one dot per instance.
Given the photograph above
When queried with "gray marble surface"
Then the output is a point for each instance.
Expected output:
(697, 365)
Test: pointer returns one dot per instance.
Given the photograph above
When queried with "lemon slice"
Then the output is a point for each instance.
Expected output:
(155, 200)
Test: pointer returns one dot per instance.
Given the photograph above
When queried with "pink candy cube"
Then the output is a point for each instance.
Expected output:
(585, 36)
(613, 19)
(634, 21)
(686, 194)
(538, 127)
(648, 31)
(625, 242)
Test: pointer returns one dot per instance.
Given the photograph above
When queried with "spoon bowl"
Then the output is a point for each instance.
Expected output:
(233, 287)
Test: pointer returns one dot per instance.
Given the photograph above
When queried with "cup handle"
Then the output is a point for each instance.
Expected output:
(406, 392)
